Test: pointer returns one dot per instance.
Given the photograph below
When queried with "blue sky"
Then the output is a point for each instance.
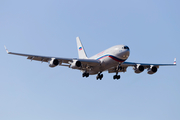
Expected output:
(31, 90)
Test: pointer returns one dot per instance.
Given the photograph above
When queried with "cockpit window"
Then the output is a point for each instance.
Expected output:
(126, 47)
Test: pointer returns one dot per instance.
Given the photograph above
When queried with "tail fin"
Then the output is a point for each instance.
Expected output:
(6, 49)
(174, 61)
(81, 51)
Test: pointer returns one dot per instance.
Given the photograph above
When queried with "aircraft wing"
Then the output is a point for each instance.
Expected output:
(135, 65)
(67, 61)
(146, 65)
(40, 58)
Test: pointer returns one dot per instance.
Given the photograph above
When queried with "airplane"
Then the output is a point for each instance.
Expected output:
(112, 60)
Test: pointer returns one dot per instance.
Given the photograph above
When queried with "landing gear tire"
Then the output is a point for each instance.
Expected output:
(85, 74)
(99, 76)
(116, 77)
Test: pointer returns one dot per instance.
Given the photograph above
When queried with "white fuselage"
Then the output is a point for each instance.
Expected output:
(110, 57)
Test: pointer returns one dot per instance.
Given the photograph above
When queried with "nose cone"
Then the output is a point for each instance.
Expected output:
(126, 52)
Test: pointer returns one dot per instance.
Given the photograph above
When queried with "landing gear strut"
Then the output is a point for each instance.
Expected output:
(85, 74)
(117, 76)
(99, 76)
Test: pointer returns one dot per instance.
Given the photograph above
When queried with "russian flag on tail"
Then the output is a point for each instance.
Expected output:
(80, 48)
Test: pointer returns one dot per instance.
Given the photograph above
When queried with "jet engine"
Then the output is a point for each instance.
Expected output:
(152, 70)
(139, 68)
(75, 64)
(53, 62)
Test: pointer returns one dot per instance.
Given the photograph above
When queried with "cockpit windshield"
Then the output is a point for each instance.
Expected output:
(126, 47)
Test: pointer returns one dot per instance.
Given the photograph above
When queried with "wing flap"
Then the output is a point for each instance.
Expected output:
(42, 59)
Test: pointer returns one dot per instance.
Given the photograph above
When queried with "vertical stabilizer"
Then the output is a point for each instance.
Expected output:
(81, 51)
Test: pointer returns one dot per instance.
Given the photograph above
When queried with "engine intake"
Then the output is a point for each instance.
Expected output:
(152, 70)
(78, 63)
(75, 64)
(139, 69)
(54, 62)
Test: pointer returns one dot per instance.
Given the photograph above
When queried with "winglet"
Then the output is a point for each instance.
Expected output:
(6, 49)
(174, 61)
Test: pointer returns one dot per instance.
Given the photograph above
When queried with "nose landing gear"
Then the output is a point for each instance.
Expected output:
(117, 76)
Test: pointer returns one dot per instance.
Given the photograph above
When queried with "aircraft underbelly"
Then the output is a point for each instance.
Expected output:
(105, 65)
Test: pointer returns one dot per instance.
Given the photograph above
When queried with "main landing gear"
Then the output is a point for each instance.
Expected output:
(99, 76)
(116, 77)
(85, 74)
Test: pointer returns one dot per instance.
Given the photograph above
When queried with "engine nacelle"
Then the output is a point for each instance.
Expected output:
(152, 70)
(75, 64)
(53, 62)
(139, 68)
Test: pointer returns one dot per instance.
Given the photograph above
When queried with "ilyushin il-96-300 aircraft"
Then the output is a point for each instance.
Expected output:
(111, 60)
